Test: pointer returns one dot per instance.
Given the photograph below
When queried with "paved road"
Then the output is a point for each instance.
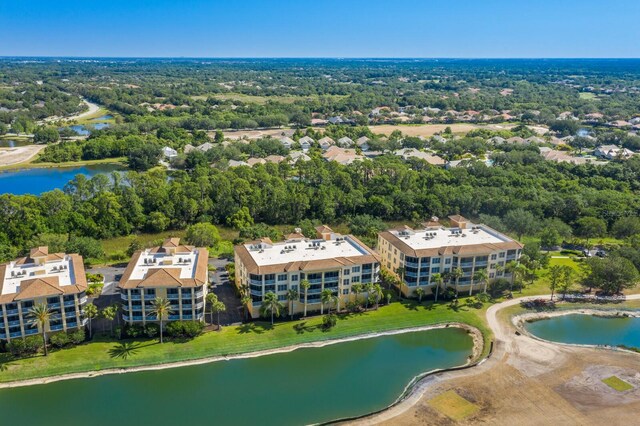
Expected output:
(226, 292)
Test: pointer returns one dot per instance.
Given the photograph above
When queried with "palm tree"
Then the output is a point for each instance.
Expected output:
(161, 308)
(400, 271)
(212, 298)
(515, 268)
(437, 278)
(271, 305)
(378, 293)
(456, 274)
(419, 292)
(40, 315)
(246, 299)
(217, 307)
(325, 298)
(90, 311)
(357, 289)
(368, 288)
(109, 313)
(292, 296)
(482, 277)
(244, 290)
(305, 284)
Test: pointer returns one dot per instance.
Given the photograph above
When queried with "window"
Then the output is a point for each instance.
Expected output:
(494, 256)
(447, 261)
(282, 287)
(435, 270)
(345, 282)
(435, 260)
(282, 277)
(282, 297)
(501, 255)
(294, 287)
(294, 278)
(492, 275)
(355, 269)
(355, 279)
(150, 291)
(346, 272)
(345, 291)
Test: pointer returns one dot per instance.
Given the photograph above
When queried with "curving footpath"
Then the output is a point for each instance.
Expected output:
(525, 353)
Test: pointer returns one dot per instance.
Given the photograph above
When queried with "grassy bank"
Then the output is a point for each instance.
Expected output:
(32, 164)
(239, 339)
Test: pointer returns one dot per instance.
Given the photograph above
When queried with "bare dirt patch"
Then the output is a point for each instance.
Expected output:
(22, 154)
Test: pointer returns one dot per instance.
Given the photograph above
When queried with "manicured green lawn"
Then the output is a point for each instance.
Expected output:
(240, 339)
(617, 384)
(453, 405)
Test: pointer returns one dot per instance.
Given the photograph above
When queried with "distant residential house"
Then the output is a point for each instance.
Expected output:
(305, 143)
(188, 148)
(438, 138)
(516, 140)
(635, 120)
(612, 152)
(253, 161)
(296, 156)
(235, 163)
(534, 140)
(432, 159)
(169, 153)
(326, 142)
(205, 146)
(363, 143)
(497, 140)
(341, 155)
(287, 142)
(318, 122)
(274, 159)
(550, 154)
(345, 142)
(336, 120)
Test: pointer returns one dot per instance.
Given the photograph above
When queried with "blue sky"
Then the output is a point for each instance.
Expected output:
(320, 28)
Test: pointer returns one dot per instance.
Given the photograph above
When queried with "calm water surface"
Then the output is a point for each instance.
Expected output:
(37, 181)
(588, 330)
(300, 387)
(9, 143)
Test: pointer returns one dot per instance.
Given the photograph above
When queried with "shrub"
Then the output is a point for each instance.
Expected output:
(95, 278)
(134, 330)
(32, 344)
(152, 330)
(329, 321)
(16, 347)
(499, 286)
(188, 329)
(59, 340)
(78, 336)
(94, 289)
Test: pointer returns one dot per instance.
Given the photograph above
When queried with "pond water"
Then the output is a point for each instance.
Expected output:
(83, 130)
(9, 143)
(588, 330)
(36, 181)
(103, 118)
(300, 387)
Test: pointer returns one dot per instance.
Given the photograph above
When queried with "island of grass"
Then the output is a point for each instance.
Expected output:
(453, 405)
(246, 338)
(617, 384)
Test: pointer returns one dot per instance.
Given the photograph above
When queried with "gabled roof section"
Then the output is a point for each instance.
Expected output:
(161, 277)
(37, 252)
(38, 287)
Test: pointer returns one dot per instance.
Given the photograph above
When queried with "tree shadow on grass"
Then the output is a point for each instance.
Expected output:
(302, 328)
(124, 350)
(252, 327)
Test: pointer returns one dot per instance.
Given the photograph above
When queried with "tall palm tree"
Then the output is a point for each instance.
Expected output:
(90, 311)
(368, 288)
(271, 305)
(325, 298)
(109, 313)
(456, 274)
(305, 284)
(378, 293)
(217, 307)
(246, 299)
(420, 292)
(400, 270)
(516, 269)
(212, 298)
(357, 289)
(40, 315)
(292, 296)
(437, 278)
(480, 276)
(161, 308)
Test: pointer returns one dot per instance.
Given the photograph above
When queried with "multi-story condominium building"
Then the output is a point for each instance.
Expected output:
(173, 271)
(56, 280)
(330, 261)
(436, 249)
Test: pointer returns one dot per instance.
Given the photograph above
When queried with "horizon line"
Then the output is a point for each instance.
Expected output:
(323, 57)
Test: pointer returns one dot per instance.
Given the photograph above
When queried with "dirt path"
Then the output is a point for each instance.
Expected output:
(93, 108)
(12, 156)
(529, 382)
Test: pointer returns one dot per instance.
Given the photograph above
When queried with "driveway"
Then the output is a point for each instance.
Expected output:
(226, 292)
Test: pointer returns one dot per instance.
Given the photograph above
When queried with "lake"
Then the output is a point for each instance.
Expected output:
(300, 387)
(588, 330)
(39, 180)
(9, 143)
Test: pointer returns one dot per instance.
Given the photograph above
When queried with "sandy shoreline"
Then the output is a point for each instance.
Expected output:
(475, 334)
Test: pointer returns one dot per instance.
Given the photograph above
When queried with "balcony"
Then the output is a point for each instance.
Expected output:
(185, 306)
(149, 318)
(83, 300)
(134, 297)
(255, 282)
(269, 281)
(174, 317)
(12, 323)
(123, 296)
(314, 291)
(70, 303)
(199, 293)
(187, 317)
(149, 297)
(315, 281)
(15, 334)
(55, 327)
(199, 305)
(466, 264)
(12, 311)
(72, 324)
(3, 336)
(482, 263)
(411, 274)
(125, 317)
(173, 296)
(411, 264)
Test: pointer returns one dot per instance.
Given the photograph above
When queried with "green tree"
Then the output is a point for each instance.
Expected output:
(90, 311)
(611, 274)
(161, 309)
(144, 157)
(456, 274)
(292, 296)
(271, 305)
(246, 300)
(325, 298)
(419, 292)
(378, 293)
(305, 284)
(212, 298)
(480, 276)
(590, 227)
(203, 235)
(438, 279)
(40, 316)
(555, 275)
(400, 270)
(357, 289)
(109, 313)
(241, 219)
(566, 280)
(521, 222)
(46, 135)
(217, 307)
